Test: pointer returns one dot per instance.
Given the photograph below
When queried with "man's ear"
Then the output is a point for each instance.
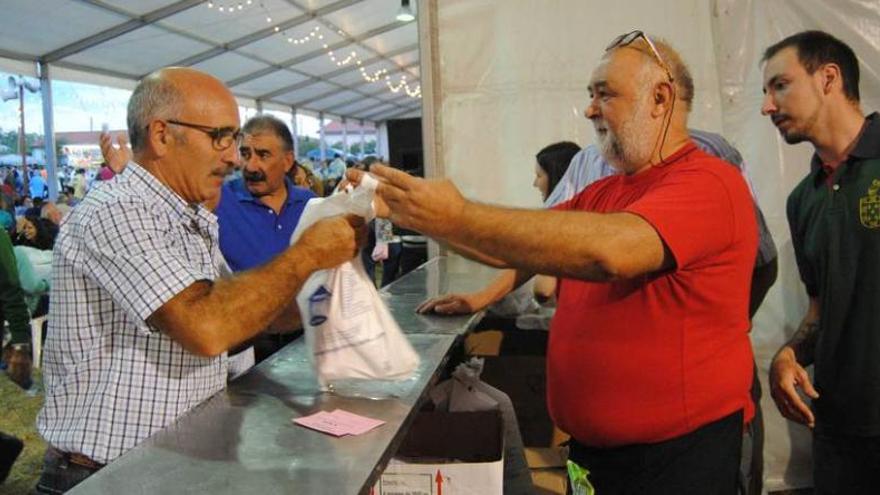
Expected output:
(662, 95)
(831, 78)
(158, 137)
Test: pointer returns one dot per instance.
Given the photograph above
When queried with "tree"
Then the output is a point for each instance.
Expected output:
(10, 140)
(369, 147)
(306, 144)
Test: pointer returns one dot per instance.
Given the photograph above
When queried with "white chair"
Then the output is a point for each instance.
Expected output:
(37, 339)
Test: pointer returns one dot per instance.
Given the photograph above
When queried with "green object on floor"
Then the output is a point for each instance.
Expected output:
(577, 476)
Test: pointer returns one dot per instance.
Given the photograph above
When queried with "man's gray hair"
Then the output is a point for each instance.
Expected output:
(154, 98)
(653, 73)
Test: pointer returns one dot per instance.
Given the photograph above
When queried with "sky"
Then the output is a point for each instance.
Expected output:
(84, 107)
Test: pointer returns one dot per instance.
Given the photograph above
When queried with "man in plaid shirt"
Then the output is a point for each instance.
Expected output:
(143, 309)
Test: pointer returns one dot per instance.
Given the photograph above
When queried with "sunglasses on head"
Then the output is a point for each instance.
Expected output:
(628, 38)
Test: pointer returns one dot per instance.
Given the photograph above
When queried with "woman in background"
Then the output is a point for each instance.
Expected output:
(551, 164)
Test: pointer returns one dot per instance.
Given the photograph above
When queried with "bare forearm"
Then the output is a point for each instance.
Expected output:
(476, 255)
(803, 342)
(506, 282)
(581, 245)
(215, 317)
(248, 303)
(288, 321)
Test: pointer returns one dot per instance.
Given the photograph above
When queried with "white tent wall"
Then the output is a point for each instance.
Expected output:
(512, 78)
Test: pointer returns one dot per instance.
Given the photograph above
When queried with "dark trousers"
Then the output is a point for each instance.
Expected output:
(705, 462)
(845, 464)
(751, 481)
(751, 469)
(10, 447)
(60, 475)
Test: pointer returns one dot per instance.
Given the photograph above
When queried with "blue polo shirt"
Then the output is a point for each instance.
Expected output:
(251, 234)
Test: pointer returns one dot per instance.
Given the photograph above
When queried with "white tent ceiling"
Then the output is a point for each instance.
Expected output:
(271, 51)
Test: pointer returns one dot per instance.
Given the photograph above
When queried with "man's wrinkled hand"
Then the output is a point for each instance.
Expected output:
(354, 176)
(19, 366)
(117, 157)
(786, 377)
(430, 206)
(451, 304)
(333, 241)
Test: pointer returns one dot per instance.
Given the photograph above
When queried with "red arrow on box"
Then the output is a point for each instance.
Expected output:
(439, 480)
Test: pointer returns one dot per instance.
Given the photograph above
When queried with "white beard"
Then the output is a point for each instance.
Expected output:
(633, 146)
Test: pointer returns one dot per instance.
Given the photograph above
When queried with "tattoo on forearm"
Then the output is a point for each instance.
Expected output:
(804, 342)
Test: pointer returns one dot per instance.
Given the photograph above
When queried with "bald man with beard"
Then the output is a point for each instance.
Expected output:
(649, 364)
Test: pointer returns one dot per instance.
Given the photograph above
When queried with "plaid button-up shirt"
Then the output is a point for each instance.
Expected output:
(112, 380)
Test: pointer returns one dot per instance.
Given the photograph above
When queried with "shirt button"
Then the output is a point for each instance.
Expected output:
(279, 227)
(836, 187)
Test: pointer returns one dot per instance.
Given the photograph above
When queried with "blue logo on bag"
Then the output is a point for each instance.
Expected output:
(319, 304)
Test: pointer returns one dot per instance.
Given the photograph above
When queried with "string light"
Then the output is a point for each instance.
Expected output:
(235, 7)
(316, 35)
(313, 34)
(376, 76)
(229, 7)
(402, 84)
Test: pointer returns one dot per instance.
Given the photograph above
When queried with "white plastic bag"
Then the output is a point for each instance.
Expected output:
(348, 328)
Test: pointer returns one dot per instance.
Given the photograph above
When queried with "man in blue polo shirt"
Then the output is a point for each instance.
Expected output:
(258, 212)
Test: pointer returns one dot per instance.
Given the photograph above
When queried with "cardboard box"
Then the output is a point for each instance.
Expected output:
(546, 457)
(448, 454)
(550, 481)
(548, 469)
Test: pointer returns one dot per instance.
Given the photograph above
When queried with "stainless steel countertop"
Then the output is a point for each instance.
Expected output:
(438, 276)
(242, 440)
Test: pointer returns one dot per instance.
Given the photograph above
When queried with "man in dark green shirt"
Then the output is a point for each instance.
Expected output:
(811, 86)
(17, 353)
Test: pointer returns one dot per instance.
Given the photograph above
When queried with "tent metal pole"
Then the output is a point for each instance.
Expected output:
(321, 141)
(49, 130)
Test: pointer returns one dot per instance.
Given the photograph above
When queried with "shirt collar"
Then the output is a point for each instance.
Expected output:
(867, 146)
(156, 192)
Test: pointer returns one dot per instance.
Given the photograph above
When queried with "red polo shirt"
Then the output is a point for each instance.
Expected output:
(653, 358)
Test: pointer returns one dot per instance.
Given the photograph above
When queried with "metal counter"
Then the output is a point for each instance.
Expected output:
(438, 276)
(242, 440)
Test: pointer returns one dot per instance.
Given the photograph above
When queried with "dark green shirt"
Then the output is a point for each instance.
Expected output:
(835, 230)
(12, 306)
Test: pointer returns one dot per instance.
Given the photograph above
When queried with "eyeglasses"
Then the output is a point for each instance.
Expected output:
(628, 38)
(223, 137)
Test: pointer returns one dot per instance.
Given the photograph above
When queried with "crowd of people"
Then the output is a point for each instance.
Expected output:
(178, 275)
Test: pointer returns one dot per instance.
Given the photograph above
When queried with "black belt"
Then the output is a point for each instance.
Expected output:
(77, 459)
